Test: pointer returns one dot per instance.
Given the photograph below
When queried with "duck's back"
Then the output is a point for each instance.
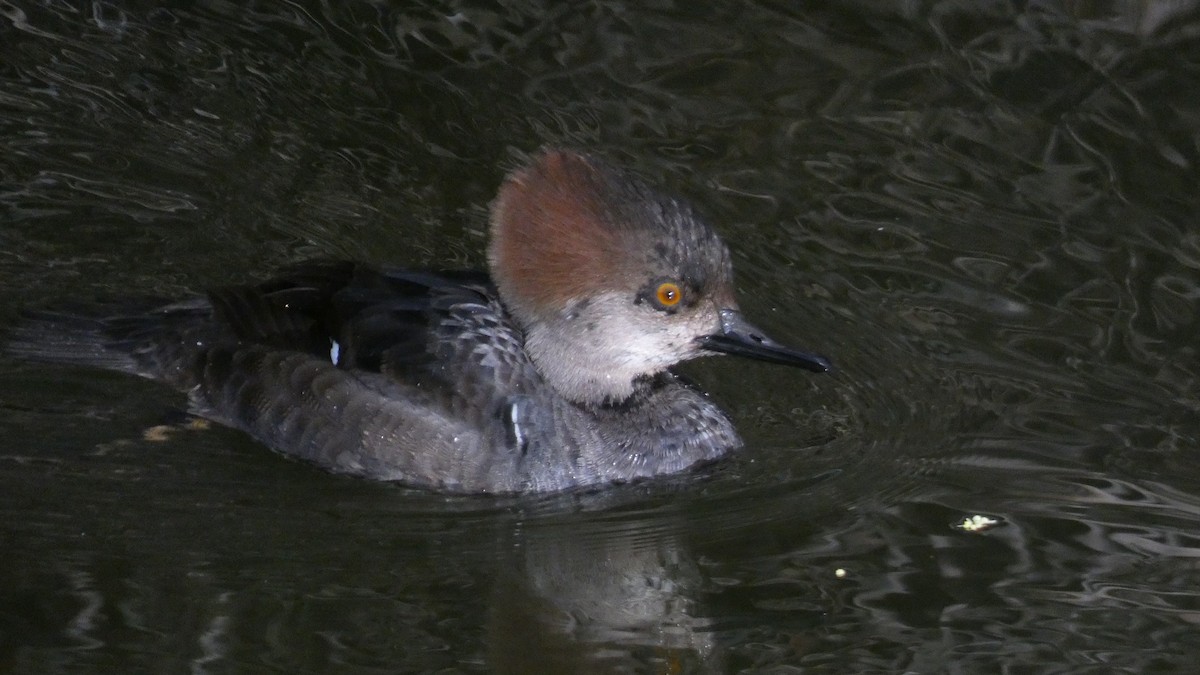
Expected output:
(393, 375)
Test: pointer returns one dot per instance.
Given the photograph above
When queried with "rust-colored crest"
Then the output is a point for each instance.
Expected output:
(553, 232)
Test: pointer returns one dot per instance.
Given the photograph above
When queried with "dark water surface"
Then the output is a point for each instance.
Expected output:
(986, 215)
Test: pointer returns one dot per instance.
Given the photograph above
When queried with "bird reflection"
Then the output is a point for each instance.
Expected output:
(608, 602)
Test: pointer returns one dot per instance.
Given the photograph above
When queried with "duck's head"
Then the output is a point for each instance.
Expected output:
(612, 281)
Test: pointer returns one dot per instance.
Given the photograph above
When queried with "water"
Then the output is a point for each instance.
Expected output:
(985, 214)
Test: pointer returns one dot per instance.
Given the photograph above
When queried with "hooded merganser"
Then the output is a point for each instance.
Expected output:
(552, 373)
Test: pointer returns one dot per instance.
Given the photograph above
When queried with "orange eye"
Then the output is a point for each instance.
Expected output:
(668, 294)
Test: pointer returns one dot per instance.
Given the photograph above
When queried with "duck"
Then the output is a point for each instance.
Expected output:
(553, 370)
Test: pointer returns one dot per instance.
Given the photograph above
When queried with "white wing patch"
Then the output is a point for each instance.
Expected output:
(514, 415)
(518, 422)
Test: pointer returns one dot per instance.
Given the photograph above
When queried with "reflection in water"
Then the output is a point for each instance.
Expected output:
(612, 590)
(987, 209)
(604, 603)
(559, 596)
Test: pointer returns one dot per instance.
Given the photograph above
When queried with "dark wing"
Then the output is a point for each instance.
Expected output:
(414, 376)
(415, 327)
(419, 328)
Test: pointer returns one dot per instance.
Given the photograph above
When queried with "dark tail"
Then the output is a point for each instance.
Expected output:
(150, 338)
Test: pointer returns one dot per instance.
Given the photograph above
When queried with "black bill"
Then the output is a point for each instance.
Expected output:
(740, 338)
